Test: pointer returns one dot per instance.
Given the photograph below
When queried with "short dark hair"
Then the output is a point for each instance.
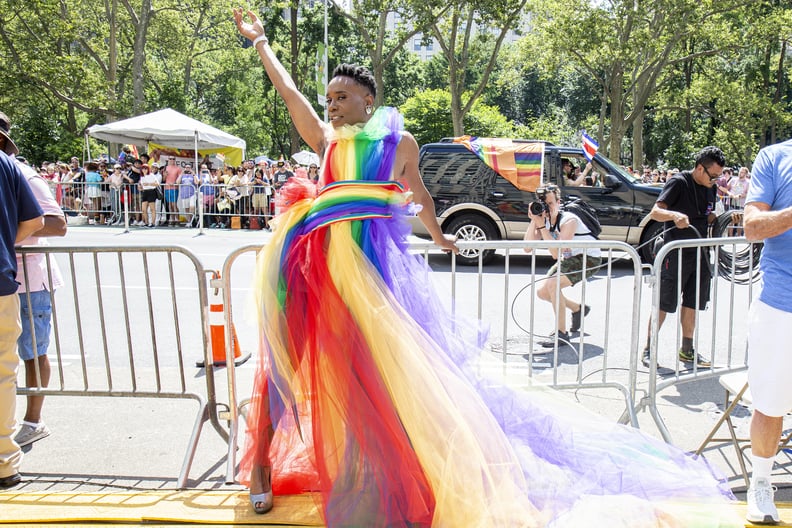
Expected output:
(360, 74)
(709, 155)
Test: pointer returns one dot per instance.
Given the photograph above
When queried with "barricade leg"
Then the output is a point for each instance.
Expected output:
(192, 445)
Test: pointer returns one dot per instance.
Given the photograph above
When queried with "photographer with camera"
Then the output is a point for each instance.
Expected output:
(550, 222)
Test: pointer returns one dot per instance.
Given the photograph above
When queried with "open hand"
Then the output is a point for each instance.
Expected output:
(250, 30)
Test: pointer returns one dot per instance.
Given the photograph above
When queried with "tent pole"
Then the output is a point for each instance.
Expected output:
(87, 145)
(199, 192)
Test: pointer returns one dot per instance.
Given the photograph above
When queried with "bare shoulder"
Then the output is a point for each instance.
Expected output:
(406, 155)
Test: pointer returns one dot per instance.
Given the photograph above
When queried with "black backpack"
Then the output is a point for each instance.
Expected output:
(586, 213)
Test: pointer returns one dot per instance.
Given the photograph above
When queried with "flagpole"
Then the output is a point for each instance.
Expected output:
(324, 58)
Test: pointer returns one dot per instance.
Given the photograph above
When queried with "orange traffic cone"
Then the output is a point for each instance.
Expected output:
(217, 334)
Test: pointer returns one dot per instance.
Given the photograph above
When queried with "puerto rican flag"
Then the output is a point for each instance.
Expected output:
(590, 146)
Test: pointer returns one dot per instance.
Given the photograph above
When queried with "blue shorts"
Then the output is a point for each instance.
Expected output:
(42, 322)
(171, 195)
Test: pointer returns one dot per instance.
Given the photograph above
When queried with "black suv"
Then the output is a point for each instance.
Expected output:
(474, 203)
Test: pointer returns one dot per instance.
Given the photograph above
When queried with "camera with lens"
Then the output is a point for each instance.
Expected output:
(538, 207)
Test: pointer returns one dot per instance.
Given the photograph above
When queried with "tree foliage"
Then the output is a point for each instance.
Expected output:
(427, 116)
(654, 81)
(470, 36)
(383, 46)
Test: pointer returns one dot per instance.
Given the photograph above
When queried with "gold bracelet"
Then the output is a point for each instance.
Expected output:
(260, 38)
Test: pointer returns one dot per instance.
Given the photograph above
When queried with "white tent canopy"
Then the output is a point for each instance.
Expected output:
(166, 127)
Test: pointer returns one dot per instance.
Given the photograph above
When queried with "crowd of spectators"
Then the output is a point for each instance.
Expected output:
(170, 192)
(732, 187)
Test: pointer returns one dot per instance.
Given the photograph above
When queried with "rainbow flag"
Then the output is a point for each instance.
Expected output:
(520, 163)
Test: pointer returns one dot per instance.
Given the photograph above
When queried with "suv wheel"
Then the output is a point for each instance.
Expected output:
(650, 233)
(473, 228)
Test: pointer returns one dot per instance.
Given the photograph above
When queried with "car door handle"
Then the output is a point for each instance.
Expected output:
(497, 194)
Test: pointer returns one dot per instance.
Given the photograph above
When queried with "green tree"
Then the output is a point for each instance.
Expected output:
(739, 99)
(370, 19)
(427, 116)
(629, 48)
(470, 36)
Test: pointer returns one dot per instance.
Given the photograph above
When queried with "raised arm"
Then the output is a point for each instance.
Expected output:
(310, 126)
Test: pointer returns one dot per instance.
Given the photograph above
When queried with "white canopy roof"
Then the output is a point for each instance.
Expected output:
(166, 127)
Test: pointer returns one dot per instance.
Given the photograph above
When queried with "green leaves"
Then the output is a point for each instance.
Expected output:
(427, 116)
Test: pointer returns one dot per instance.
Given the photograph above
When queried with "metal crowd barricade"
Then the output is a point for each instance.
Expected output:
(601, 359)
(734, 264)
(234, 404)
(98, 203)
(203, 205)
(122, 324)
(221, 204)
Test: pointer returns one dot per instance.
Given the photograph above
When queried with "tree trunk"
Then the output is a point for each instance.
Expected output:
(688, 69)
(603, 114)
(294, 136)
(376, 52)
(139, 56)
(617, 114)
(637, 126)
(193, 41)
(111, 10)
(457, 119)
(378, 71)
(778, 92)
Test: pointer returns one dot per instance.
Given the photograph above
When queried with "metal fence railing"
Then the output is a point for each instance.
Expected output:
(733, 263)
(124, 323)
(118, 351)
(601, 359)
(206, 205)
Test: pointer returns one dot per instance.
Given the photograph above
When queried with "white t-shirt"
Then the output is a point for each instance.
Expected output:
(581, 233)
(149, 181)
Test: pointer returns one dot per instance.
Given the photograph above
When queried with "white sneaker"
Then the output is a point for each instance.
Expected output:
(28, 434)
(761, 508)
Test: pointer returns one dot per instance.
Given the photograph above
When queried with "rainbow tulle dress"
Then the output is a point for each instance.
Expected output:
(376, 401)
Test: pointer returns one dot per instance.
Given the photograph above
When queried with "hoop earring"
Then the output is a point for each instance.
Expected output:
(368, 109)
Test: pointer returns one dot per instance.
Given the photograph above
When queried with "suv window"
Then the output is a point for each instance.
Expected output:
(452, 168)
(598, 170)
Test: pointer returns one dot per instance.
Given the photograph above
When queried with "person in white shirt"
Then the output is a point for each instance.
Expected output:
(549, 222)
(148, 195)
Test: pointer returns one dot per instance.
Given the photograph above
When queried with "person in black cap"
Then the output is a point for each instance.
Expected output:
(22, 217)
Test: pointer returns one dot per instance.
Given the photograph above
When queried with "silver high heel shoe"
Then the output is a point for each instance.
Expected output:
(262, 502)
